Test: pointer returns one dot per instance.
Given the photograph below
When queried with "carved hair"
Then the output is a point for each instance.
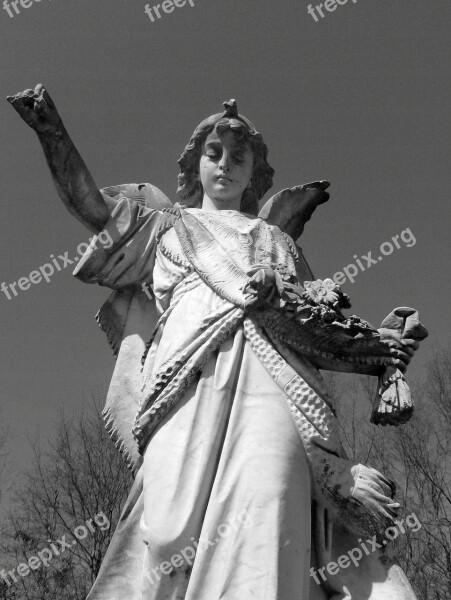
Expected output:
(190, 189)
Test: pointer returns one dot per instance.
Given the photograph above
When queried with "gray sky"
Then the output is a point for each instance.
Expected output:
(360, 98)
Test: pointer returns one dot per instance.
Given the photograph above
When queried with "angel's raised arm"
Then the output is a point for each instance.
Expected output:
(72, 179)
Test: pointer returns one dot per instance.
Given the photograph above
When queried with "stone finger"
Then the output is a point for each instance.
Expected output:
(409, 343)
(40, 105)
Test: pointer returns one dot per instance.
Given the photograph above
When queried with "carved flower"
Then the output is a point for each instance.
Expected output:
(326, 292)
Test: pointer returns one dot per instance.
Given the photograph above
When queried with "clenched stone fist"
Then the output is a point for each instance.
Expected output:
(37, 110)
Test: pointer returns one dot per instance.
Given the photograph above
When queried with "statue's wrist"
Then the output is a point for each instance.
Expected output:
(55, 133)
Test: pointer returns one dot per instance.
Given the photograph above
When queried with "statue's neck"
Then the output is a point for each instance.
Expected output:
(215, 204)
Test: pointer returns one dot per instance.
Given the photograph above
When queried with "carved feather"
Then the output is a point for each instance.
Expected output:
(291, 208)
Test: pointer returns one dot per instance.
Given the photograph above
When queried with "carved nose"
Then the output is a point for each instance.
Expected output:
(224, 164)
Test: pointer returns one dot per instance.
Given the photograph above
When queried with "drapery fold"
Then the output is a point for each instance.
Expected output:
(254, 420)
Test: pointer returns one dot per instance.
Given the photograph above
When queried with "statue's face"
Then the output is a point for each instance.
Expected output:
(225, 166)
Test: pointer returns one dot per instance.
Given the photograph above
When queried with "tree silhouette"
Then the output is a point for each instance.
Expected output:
(73, 492)
(417, 456)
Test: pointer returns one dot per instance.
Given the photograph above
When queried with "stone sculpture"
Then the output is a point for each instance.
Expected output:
(242, 488)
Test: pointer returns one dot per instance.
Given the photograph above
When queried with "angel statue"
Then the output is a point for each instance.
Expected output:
(242, 489)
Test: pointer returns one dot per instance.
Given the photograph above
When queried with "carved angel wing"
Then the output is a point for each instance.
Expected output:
(291, 208)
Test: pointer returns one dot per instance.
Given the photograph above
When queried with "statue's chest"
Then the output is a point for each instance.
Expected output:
(247, 241)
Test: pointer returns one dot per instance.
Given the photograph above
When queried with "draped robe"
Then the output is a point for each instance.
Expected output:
(226, 431)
